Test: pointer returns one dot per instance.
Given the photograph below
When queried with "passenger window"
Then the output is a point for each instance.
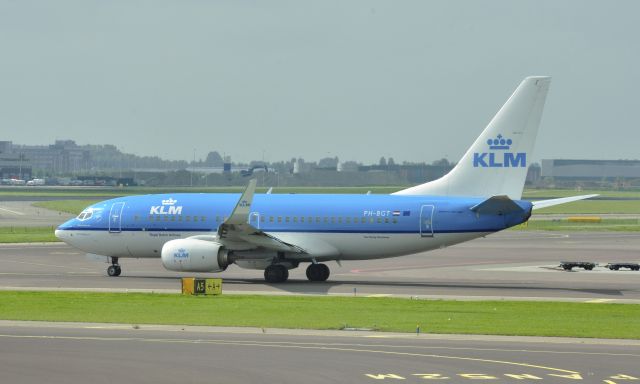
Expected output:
(173, 218)
(188, 218)
(295, 219)
(136, 217)
(333, 220)
(310, 219)
(203, 218)
(195, 218)
(371, 220)
(279, 219)
(271, 219)
(317, 219)
(150, 217)
(302, 219)
(166, 218)
(340, 220)
(379, 220)
(262, 219)
(386, 220)
(217, 219)
(395, 221)
(348, 220)
(286, 219)
(326, 220)
(179, 218)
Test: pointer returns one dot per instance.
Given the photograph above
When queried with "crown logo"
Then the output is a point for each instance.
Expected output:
(499, 143)
(169, 201)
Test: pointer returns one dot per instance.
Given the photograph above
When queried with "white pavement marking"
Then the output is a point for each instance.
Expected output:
(10, 211)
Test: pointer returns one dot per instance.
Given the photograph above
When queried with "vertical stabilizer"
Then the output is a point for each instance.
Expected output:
(497, 162)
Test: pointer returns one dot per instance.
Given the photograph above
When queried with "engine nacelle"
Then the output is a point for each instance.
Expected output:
(192, 255)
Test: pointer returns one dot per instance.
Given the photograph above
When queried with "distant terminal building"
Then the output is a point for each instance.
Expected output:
(591, 169)
(62, 157)
(13, 165)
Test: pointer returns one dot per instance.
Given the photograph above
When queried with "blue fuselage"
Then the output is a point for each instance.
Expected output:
(298, 217)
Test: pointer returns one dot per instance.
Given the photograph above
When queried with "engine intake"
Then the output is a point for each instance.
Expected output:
(192, 255)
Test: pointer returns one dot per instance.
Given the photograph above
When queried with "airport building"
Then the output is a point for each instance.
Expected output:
(63, 157)
(626, 171)
(13, 165)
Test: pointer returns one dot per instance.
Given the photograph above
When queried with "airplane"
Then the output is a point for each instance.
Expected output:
(200, 232)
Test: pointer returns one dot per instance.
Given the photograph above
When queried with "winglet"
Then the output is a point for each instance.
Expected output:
(240, 214)
(550, 203)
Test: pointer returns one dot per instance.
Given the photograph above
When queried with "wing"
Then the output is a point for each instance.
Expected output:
(237, 234)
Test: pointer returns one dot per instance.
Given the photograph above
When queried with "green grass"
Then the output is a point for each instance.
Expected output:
(107, 192)
(594, 207)
(383, 314)
(551, 193)
(69, 206)
(619, 225)
(27, 234)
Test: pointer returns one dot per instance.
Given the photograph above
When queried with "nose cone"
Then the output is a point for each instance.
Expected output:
(62, 232)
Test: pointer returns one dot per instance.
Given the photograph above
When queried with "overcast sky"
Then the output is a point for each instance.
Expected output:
(414, 80)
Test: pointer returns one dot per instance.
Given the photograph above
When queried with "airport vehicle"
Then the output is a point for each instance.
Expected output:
(35, 182)
(275, 233)
(617, 266)
(569, 265)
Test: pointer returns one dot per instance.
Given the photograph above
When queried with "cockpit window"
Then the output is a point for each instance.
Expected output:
(85, 215)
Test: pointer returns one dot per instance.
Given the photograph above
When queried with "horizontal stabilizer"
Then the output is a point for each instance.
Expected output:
(563, 200)
(497, 205)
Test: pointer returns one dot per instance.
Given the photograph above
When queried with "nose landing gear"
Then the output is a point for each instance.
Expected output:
(114, 269)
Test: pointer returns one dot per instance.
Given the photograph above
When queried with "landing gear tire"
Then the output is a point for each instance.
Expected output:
(318, 272)
(276, 274)
(114, 270)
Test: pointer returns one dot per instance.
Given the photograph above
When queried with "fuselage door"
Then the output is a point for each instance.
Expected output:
(254, 219)
(426, 220)
(115, 218)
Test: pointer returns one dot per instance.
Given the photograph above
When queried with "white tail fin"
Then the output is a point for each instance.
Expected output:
(497, 162)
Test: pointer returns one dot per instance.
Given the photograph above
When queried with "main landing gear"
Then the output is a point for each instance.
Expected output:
(317, 272)
(278, 273)
(114, 269)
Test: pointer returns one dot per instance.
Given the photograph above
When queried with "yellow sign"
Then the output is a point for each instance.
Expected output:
(194, 286)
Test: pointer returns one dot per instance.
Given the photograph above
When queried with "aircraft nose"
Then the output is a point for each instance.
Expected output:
(62, 233)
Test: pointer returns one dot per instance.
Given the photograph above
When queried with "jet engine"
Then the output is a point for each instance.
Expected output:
(192, 255)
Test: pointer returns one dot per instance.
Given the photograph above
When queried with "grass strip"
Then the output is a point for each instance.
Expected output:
(616, 225)
(27, 234)
(69, 206)
(383, 314)
(107, 192)
(594, 207)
